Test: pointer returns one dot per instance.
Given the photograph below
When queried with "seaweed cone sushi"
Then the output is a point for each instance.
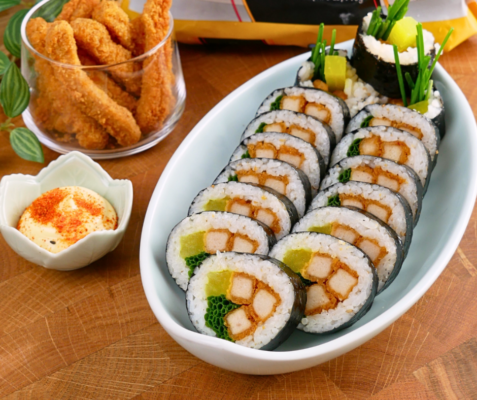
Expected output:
(322, 105)
(390, 207)
(296, 124)
(389, 143)
(376, 239)
(197, 237)
(257, 202)
(373, 53)
(274, 174)
(382, 172)
(251, 300)
(401, 118)
(340, 280)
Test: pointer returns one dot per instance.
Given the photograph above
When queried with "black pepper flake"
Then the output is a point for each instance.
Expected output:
(52, 242)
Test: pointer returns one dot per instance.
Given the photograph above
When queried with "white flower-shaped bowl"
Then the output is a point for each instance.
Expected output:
(18, 191)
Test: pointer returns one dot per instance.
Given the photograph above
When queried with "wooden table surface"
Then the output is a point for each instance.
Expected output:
(90, 334)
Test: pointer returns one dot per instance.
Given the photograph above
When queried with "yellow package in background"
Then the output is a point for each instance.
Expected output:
(295, 22)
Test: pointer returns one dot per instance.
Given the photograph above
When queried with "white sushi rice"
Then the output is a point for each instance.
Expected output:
(360, 94)
(256, 195)
(407, 189)
(385, 51)
(322, 141)
(402, 115)
(418, 160)
(397, 219)
(365, 226)
(312, 96)
(436, 104)
(295, 190)
(203, 222)
(310, 166)
(346, 253)
(263, 270)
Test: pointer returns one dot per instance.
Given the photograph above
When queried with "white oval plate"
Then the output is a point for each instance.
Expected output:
(446, 211)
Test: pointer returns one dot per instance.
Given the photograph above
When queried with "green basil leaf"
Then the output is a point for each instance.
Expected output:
(26, 145)
(12, 37)
(14, 92)
(6, 4)
(4, 62)
(50, 10)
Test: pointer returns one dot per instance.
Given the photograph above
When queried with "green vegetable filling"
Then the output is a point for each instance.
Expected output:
(233, 178)
(366, 121)
(354, 148)
(246, 155)
(297, 259)
(218, 283)
(382, 29)
(194, 261)
(326, 229)
(334, 201)
(217, 308)
(305, 281)
(345, 175)
(276, 104)
(260, 128)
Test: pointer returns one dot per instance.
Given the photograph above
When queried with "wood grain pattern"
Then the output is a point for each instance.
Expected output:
(90, 334)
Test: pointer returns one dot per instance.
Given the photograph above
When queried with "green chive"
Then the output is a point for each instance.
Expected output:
(399, 74)
(333, 39)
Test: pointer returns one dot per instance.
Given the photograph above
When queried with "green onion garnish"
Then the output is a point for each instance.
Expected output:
(399, 74)
(318, 53)
(382, 29)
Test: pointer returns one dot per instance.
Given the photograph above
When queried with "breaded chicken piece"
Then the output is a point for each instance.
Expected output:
(156, 98)
(94, 38)
(108, 85)
(53, 108)
(118, 121)
(138, 36)
(116, 21)
(77, 9)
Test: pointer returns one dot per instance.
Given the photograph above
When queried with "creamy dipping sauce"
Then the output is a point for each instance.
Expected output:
(60, 217)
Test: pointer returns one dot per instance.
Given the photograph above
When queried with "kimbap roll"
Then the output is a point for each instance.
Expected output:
(200, 235)
(277, 175)
(380, 171)
(251, 300)
(376, 239)
(340, 280)
(322, 105)
(373, 53)
(296, 124)
(280, 146)
(390, 207)
(401, 118)
(257, 202)
(390, 143)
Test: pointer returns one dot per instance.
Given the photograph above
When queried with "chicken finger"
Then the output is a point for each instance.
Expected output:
(116, 21)
(94, 38)
(53, 108)
(156, 96)
(77, 9)
(118, 121)
(138, 36)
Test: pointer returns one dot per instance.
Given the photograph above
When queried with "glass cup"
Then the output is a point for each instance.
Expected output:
(104, 111)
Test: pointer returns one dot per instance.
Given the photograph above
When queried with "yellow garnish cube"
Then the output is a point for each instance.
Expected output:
(335, 72)
(404, 34)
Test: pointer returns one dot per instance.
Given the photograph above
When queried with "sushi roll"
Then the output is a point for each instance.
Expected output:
(341, 281)
(280, 146)
(373, 57)
(376, 239)
(390, 207)
(251, 300)
(382, 172)
(401, 118)
(257, 202)
(390, 143)
(295, 124)
(322, 105)
(197, 237)
(277, 175)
